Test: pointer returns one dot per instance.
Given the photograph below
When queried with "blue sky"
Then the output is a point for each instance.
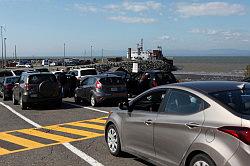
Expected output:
(40, 27)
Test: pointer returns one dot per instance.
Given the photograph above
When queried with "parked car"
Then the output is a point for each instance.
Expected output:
(100, 88)
(37, 88)
(143, 81)
(247, 79)
(80, 73)
(188, 124)
(6, 86)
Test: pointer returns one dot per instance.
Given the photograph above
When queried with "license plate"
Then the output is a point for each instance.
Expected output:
(114, 89)
(33, 95)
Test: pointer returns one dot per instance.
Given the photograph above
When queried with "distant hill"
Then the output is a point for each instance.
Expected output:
(212, 52)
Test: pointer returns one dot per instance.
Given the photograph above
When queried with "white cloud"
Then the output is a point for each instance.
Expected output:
(130, 20)
(134, 6)
(210, 9)
(85, 8)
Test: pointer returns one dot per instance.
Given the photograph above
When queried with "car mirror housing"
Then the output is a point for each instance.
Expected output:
(124, 106)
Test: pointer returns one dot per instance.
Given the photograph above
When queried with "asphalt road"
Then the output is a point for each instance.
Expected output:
(45, 136)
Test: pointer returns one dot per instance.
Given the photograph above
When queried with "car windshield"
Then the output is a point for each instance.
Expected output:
(238, 100)
(112, 81)
(88, 72)
(12, 80)
(37, 79)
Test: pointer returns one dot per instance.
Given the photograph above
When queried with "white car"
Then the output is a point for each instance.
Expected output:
(79, 73)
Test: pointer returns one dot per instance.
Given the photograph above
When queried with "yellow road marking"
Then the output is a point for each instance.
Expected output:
(50, 136)
(28, 144)
(4, 151)
(97, 120)
(20, 141)
(74, 131)
(91, 126)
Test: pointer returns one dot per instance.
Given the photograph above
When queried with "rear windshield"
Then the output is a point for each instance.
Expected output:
(12, 80)
(238, 100)
(112, 81)
(37, 79)
(18, 72)
(5, 73)
(88, 72)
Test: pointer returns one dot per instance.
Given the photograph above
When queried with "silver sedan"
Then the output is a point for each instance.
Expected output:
(189, 124)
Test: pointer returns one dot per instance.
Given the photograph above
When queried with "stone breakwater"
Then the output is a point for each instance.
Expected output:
(128, 65)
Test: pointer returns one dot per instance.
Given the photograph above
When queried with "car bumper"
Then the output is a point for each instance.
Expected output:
(115, 97)
(39, 100)
(241, 157)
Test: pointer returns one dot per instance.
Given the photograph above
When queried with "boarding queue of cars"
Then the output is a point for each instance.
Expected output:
(202, 123)
(32, 87)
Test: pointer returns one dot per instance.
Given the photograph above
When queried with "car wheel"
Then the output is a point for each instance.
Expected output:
(23, 104)
(4, 97)
(93, 101)
(113, 141)
(202, 160)
(14, 101)
(77, 99)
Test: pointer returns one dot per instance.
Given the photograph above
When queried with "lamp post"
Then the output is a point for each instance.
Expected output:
(2, 45)
(64, 54)
(5, 60)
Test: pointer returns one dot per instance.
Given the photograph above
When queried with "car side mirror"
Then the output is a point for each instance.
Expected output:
(124, 106)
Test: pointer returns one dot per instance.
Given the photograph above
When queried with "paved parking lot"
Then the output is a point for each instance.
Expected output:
(72, 135)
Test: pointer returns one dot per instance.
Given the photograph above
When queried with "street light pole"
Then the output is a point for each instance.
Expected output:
(2, 44)
(64, 54)
(5, 59)
(91, 51)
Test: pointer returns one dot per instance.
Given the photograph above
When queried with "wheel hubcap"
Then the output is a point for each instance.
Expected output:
(200, 163)
(92, 100)
(112, 140)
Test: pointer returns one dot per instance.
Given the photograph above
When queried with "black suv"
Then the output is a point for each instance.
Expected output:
(143, 81)
(37, 88)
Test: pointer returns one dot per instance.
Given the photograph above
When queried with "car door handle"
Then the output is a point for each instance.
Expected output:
(148, 122)
(192, 125)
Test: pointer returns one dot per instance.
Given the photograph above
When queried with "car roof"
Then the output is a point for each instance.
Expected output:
(12, 77)
(213, 86)
(83, 69)
(102, 76)
(35, 73)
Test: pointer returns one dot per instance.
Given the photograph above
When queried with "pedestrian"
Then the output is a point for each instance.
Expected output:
(73, 84)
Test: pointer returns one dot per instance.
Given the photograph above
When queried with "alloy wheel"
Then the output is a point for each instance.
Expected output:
(112, 140)
(200, 163)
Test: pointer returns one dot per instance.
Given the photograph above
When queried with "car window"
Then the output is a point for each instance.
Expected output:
(150, 102)
(39, 78)
(238, 100)
(75, 72)
(21, 81)
(12, 80)
(85, 82)
(88, 72)
(91, 81)
(182, 102)
(112, 81)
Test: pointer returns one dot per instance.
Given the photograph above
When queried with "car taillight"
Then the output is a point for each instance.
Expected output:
(242, 133)
(8, 86)
(154, 83)
(27, 86)
(98, 85)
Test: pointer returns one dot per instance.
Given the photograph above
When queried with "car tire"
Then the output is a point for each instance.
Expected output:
(77, 99)
(23, 104)
(113, 141)
(14, 101)
(93, 101)
(4, 97)
(202, 160)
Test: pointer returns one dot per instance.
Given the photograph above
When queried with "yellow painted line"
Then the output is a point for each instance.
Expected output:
(96, 120)
(90, 126)
(74, 131)
(4, 151)
(20, 141)
(58, 138)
